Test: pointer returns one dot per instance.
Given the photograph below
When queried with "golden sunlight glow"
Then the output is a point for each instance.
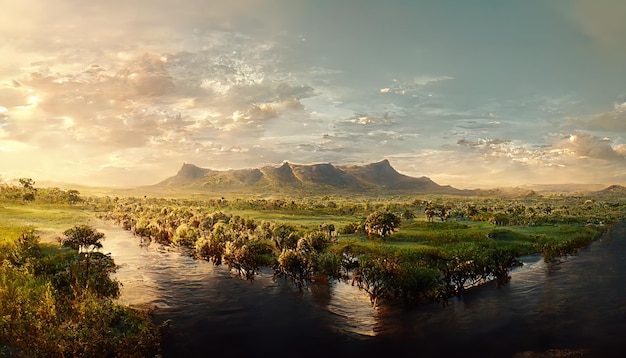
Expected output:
(33, 99)
(68, 122)
(573, 137)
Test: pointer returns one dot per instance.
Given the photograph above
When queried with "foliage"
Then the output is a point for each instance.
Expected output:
(82, 238)
(246, 255)
(53, 304)
(212, 248)
(27, 192)
(421, 259)
(296, 266)
(381, 224)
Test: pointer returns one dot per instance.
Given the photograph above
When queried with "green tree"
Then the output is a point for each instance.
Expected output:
(295, 265)
(83, 238)
(408, 215)
(90, 271)
(73, 196)
(284, 237)
(28, 188)
(381, 224)
(27, 183)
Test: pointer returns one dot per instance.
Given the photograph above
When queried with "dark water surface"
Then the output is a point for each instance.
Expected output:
(578, 304)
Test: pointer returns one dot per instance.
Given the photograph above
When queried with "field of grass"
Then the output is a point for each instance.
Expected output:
(47, 220)
(420, 234)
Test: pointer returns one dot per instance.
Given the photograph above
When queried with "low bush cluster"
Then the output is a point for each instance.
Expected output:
(61, 303)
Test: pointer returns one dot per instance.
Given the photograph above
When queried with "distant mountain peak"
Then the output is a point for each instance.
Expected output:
(191, 171)
(318, 177)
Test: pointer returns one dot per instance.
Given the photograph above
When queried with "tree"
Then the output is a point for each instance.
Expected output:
(408, 215)
(27, 183)
(29, 190)
(381, 224)
(91, 270)
(83, 238)
(73, 196)
(295, 265)
(284, 237)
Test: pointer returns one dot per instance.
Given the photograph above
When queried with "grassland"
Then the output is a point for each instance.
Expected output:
(47, 220)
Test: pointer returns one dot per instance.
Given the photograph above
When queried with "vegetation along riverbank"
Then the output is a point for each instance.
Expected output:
(395, 248)
(57, 296)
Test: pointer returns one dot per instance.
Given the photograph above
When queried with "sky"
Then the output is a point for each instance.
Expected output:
(481, 93)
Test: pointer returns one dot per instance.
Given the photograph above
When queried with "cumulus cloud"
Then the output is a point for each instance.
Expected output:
(584, 145)
(152, 101)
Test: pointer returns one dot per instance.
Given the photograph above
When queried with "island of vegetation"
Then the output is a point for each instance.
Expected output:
(59, 299)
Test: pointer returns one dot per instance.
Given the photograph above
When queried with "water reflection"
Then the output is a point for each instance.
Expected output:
(578, 304)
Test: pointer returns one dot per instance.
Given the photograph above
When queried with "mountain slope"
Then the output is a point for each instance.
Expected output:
(382, 174)
(282, 175)
(188, 174)
(377, 177)
(611, 191)
(327, 175)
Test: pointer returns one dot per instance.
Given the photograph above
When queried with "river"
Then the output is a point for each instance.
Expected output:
(573, 308)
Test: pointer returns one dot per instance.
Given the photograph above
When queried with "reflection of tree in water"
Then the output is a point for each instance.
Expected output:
(321, 291)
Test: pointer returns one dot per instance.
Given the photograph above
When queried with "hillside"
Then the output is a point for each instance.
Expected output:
(379, 178)
(610, 191)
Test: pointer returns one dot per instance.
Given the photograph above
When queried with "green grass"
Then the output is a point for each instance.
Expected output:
(41, 315)
(423, 236)
(310, 219)
(46, 219)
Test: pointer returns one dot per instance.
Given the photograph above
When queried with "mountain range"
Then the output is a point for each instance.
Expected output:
(379, 177)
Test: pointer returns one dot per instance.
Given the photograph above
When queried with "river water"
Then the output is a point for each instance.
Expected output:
(573, 308)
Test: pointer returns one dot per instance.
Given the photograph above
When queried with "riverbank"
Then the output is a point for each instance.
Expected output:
(547, 308)
(57, 301)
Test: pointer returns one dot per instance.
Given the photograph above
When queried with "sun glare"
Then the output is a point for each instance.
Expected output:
(33, 100)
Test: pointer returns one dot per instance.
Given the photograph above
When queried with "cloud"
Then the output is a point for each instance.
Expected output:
(576, 157)
(584, 145)
(603, 21)
(10, 96)
(369, 120)
(413, 87)
(483, 143)
(148, 75)
(91, 90)
(614, 121)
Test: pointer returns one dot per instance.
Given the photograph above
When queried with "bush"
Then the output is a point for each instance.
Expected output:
(65, 307)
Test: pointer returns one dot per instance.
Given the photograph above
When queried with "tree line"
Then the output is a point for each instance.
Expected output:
(306, 255)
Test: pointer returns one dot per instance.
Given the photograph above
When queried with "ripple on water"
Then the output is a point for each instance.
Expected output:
(578, 304)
